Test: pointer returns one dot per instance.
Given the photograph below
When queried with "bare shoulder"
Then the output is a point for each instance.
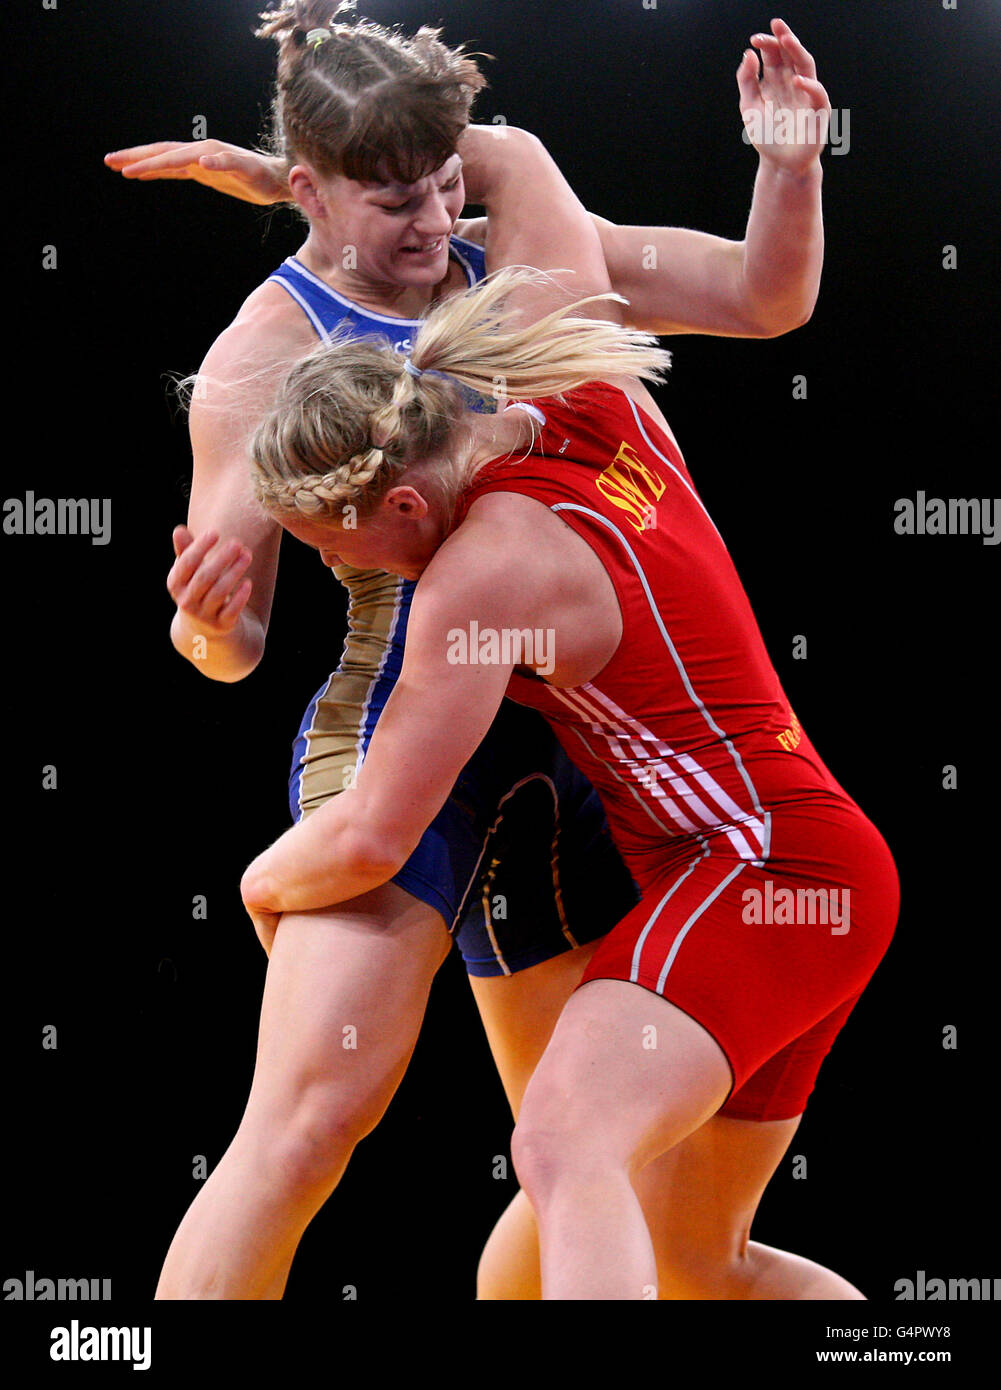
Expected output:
(237, 381)
(268, 327)
(492, 562)
(246, 364)
(512, 557)
(530, 549)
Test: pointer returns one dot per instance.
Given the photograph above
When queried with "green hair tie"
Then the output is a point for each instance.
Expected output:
(317, 36)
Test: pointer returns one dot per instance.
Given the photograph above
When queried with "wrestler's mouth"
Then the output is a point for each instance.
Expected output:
(428, 248)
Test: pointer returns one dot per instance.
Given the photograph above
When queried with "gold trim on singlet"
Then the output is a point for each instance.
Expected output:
(335, 738)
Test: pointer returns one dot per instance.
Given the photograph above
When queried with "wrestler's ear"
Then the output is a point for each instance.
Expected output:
(406, 501)
(304, 183)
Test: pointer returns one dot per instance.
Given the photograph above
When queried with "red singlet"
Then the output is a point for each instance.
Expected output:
(768, 898)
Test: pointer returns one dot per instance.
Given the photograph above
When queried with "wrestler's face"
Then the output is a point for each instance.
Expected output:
(400, 537)
(392, 233)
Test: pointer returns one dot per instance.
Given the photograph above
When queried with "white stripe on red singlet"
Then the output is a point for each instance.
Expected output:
(570, 696)
(732, 812)
(706, 903)
(634, 969)
(763, 825)
(698, 808)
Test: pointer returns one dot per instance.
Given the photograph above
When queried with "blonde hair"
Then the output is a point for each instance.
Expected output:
(350, 419)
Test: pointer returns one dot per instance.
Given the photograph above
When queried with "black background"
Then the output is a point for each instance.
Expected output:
(168, 784)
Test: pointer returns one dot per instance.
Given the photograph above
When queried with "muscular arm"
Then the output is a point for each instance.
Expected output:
(680, 281)
(230, 547)
(433, 722)
(533, 217)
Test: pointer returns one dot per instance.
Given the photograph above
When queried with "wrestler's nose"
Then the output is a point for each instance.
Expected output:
(434, 218)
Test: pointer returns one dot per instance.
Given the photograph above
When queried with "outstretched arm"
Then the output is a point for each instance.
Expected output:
(676, 280)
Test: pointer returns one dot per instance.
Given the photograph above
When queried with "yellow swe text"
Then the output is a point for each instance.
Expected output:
(623, 483)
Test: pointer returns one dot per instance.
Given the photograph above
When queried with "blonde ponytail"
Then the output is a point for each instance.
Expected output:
(351, 418)
(474, 338)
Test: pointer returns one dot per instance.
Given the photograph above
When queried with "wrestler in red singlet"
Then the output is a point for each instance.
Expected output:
(768, 898)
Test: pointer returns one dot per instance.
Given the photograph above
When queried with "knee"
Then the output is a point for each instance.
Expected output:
(553, 1143)
(308, 1145)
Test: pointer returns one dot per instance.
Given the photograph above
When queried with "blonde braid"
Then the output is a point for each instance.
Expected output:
(344, 427)
(386, 424)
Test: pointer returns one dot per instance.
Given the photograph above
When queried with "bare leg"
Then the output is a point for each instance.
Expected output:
(700, 1199)
(519, 1013)
(599, 1107)
(343, 1003)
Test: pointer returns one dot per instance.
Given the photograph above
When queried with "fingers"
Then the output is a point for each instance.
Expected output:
(770, 51)
(182, 538)
(166, 159)
(118, 158)
(781, 52)
(187, 562)
(235, 604)
(217, 580)
(207, 578)
(747, 78)
(801, 60)
(816, 92)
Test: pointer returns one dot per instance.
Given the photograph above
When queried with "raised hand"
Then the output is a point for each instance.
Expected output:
(786, 111)
(229, 169)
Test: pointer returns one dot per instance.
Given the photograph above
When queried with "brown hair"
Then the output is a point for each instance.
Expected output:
(367, 102)
(350, 419)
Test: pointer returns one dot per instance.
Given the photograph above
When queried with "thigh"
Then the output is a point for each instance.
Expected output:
(344, 998)
(519, 1013)
(626, 1075)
